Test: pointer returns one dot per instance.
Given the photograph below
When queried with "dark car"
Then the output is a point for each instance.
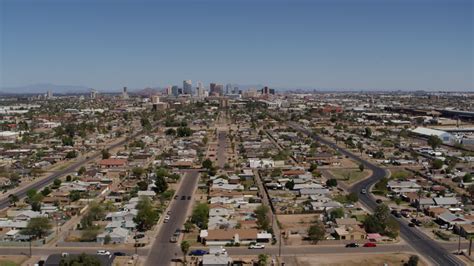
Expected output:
(411, 224)
(378, 201)
(177, 232)
(198, 252)
(189, 197)
(138, 236)
(183, 197)
(352, 245)
(119, 254)
(176, 197)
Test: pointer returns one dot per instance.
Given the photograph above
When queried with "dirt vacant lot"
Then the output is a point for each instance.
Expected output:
(353, 260)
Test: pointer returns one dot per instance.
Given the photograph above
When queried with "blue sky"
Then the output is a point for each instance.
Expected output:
(366, 44)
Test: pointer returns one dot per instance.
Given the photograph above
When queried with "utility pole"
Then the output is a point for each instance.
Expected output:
(30, 246)
(459, 243)
(279, 247)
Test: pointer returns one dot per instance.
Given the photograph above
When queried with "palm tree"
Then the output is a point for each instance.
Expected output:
(185, 248)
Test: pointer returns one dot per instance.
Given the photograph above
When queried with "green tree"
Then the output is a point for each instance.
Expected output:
(146, 215)
(105, 154)
(261, 212)
(138, 171)
(81, 260)
(352, 197)
(331, 182)
(207, 164)
(37, 227)
(81, 171)
(413, 261)
(337, 213)
(185, 248)
(361, 167)
(71, 154)
(13, 199)
(368, 132)
(382, 222)
(200, 215)
(290, 184)
(434, 141)
(160, 184)
(467, 178)
(262, 260)
(437, 164)
(316, 232)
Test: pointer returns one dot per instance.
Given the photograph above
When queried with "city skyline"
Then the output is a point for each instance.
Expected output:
(352, 45)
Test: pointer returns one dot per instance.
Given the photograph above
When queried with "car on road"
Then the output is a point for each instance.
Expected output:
(378, 201)
(411, 224)
(169, 213)
(352, 245)
(363, 191)
(256, 246)
(176, 197)
(177, 232)
(189, 197)
(183, 197)
(198, 252)
(370, 245)
(416, 221)
(138, 236)
(120, 254)
(167, 219)
(103, 252)
(173, 239)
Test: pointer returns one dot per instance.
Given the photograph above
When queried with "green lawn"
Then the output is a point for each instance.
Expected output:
(349, 175)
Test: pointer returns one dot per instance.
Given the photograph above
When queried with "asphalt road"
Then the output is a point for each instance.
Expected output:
(221, 149)
(425, 246)
(4, 202)
(162, 251)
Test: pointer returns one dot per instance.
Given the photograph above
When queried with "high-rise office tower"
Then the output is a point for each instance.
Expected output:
(168, 90)
(228, 88)
(124, 93)
(212, 88)
(175, 91)
(187, 87)
(93, 94)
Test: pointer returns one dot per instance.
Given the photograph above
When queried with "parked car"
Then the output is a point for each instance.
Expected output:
(198, 252)
(378, 201)
(363, 191)
(169, 213)
(103, 252)
(256, 246)
(173, 239)
(177, 232)
(352, 245)
(411, 224)
(370, 245)
(176, 197)
(183, 197)
(138, 236)
(119, 254)
(189, 197)
(167, 219)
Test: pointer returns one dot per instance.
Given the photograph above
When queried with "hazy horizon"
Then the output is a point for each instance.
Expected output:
(352, 45)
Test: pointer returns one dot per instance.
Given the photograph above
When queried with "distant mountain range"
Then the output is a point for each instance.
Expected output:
(43, 88)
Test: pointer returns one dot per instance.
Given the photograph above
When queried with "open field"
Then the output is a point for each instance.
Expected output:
(354, 260)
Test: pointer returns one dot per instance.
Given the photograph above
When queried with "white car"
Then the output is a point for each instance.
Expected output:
(167, 219)
(103, 252)
(256, 246)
